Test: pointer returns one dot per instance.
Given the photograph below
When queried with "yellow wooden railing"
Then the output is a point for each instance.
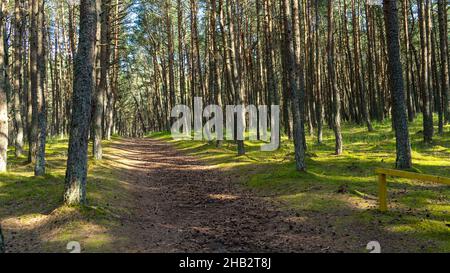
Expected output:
(382, 180)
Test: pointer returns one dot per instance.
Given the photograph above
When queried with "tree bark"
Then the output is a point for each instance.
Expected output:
(237, 79)
(428, 129)
(102, 90)
(76, 174)
(41, 111)
(332, 81)
(318, 79)
(397, 86)
(181, 55)
(171, 53)
(443, 46)
(297, 99)
(18, 33)
(3, 96)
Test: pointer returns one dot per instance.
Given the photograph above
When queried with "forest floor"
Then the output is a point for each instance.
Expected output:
(157, 195)
(342, 191)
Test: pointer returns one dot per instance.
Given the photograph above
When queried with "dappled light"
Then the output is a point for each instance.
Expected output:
(224, 126)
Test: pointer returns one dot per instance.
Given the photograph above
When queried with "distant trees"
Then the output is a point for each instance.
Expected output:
(324, 62)
(242, 49)
(83, 87)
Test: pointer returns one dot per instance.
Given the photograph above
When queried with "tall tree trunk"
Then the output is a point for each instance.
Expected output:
(332, 81)
(34, 85)
(297, 99)
(171, 53)
(299, 68)
(39, 169)
(76, 174)
(428, 129)
(18, 33)
(409, 103)
(237, 79)
(360, 86)
(113, 90)
(397, 86)
(272, 88)
(318, 79)
(103, 55)
(215, 59)
(181, 56)
(3, 95)
(443, 45)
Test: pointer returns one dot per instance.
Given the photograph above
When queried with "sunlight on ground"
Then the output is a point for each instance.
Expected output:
(31, 208)
(347, 182)
(223, 197)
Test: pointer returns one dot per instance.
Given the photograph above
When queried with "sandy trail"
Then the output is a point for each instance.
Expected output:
(183, 205)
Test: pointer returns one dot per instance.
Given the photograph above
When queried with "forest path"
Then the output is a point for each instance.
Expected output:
(183, 205)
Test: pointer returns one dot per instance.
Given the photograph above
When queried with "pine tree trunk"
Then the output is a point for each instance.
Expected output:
(237, 79)
(406, 41)
(76, 174)
(428, 129)
(396, 85)
(101, 84)
(33, 126)
(3, 97)
(39, 169)
(318, 79)
(181, 57)
(443, 46)
(297, 99)
(332, 81)
(360, 86)
(18, 32)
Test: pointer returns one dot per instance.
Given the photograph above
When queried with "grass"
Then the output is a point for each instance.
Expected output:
(34, 218)
(31, 208)
(417, 210)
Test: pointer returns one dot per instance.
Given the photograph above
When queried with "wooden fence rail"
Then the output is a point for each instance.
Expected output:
(382, 180)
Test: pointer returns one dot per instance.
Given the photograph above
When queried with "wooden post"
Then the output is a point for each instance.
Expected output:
(383, 192)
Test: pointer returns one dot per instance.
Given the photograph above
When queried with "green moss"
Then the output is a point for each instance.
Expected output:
(36, 202)
(418, 209)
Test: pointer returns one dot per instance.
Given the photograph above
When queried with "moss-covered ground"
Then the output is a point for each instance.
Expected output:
(333, 184)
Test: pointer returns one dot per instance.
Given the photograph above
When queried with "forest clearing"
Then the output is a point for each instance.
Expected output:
(316, 97)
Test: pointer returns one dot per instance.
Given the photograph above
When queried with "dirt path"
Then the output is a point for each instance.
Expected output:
(182, 205)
